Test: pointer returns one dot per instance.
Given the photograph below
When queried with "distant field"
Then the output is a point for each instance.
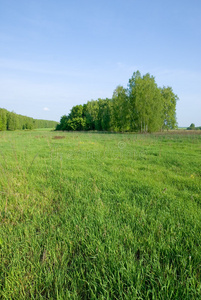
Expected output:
(100, 216)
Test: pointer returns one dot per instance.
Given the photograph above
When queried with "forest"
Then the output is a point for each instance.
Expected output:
(13, 121)
(141, 107)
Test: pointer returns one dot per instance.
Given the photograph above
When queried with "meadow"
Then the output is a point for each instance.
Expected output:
(100, 216)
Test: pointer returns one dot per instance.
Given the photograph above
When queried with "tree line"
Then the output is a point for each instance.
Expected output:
(142, 106)
(13, 121)
(192, 127)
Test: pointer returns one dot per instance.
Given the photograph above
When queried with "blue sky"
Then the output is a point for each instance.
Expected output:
(56, 54)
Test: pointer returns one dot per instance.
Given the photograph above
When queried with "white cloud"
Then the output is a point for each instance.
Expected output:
(46, 109)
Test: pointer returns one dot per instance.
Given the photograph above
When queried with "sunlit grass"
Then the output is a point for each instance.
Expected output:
(100, 216)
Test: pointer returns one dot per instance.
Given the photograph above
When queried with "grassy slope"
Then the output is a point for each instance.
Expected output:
(100, 216)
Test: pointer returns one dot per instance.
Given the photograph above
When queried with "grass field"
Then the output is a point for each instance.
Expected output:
(100, 216)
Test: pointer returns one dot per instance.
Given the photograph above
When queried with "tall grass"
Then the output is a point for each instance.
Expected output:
(100, 216)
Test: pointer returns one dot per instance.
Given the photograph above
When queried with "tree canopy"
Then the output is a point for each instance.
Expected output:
(142, 106)
(13, 121)
(192, 127)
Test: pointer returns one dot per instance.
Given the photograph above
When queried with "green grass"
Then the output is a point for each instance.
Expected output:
(100, 216)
